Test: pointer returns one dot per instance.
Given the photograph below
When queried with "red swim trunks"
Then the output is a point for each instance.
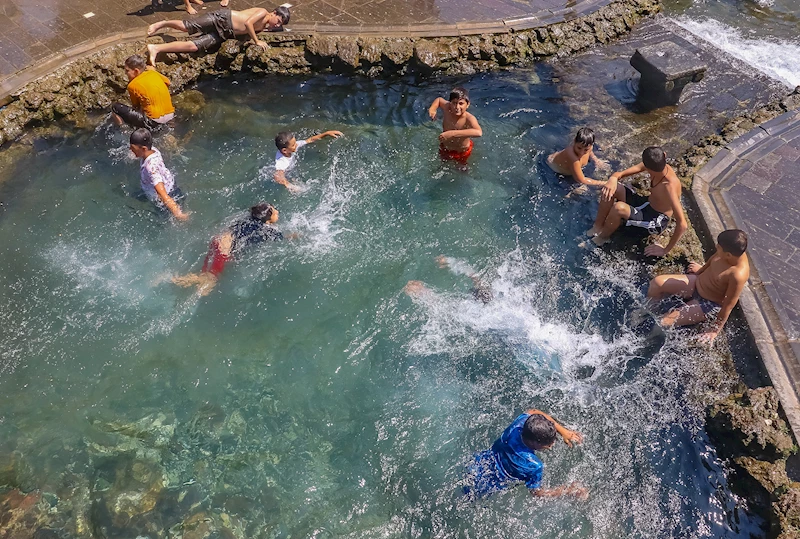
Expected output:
(455, 155)
(215, 261)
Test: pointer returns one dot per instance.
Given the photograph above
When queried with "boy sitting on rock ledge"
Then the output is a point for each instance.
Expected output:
(149, 93)
(216, 27)
(712, 289)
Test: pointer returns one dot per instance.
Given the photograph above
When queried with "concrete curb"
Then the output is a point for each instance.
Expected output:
(709, 188)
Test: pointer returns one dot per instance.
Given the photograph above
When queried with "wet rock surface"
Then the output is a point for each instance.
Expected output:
(95, 82)
(749, 430)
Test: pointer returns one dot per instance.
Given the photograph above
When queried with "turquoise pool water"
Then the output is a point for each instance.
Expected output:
(308, 395)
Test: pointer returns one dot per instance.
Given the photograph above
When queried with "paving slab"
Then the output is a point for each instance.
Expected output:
(765, 203)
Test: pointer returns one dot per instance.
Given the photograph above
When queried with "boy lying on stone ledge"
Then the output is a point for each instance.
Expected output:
(216, 27)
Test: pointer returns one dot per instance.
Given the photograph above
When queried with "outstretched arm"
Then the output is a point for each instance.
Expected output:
(171, 205)
(332, 134)
(610, 187)
(438, 102)
(569, 436)
(680, 227)
(573, 489)
(735, 286)
(577, 173)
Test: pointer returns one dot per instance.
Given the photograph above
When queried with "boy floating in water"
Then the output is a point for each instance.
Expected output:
(216, 27)
(156, 180)
(571, 160)
(512, 459)
(243, 233)
(620, 204)
(458, 126)
(712, 289)
(149, 93)
(286, 157)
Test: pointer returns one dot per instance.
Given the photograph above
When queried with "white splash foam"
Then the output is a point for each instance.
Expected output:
(774, 57)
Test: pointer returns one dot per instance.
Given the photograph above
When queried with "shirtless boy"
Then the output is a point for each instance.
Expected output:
(620, 204)
(286, 156)
(459, 127)
(571, 160)
(712, 289)
(216, 27)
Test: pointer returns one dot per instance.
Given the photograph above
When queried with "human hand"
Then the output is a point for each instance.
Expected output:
(445, 136)
(182, 216)
(262, 44)
(442, 261)
(334, 134)
(708, 337)
(654, 250)
(572, 437)
(432, 113)
(578, 490)
(694, 267)
(293, 188)
(609, 190)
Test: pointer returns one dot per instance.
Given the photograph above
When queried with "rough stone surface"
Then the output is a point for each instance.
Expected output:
(94, 82)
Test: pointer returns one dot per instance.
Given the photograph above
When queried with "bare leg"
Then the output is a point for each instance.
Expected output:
(205, 282)
(174, 24)
(672, 285)
(176, 46)
(189, 9)
(604, 210)
(619, 212)
(689, 315)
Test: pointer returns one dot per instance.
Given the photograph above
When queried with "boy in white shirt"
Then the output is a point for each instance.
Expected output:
(286, 157)
(156, 179)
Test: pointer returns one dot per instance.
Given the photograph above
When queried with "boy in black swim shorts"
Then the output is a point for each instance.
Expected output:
(216, 27)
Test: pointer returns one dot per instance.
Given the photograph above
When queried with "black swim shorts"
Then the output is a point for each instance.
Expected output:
(214, 27)
(643, 215)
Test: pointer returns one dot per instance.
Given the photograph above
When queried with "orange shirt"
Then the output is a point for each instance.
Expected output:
(149, 93)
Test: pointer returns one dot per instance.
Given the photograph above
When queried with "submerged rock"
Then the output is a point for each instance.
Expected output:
(190, 102)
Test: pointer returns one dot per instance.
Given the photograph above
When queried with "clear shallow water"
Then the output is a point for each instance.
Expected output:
(762, 33)
(308, 395)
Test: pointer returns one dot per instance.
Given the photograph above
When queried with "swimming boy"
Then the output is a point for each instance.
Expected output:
(216, 27)
(459, 127)
(712, 289)
(620, 204)
(571, 160)
(286, 156)
(149, 93)
(512, 459)
(156, 180)
(243, 233)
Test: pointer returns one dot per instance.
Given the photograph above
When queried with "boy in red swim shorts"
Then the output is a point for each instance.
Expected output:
(459, 127)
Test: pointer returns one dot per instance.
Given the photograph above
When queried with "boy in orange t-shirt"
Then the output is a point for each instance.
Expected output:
(149, 93)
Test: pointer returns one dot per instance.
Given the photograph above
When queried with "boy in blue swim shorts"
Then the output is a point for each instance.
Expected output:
(512, 459)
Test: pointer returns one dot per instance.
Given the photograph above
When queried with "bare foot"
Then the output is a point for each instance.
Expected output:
(152, 52)
(191, 11)
(592, 232)
(198, 2)
(600, 240)
(224, 3)
(153, 28)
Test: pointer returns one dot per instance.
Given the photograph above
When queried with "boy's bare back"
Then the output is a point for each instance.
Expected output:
(562, 162)
(239, 18)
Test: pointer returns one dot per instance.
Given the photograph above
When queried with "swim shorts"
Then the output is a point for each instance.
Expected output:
(710, 308)
(215, 260)
(485, 476)
(214, 27)
(455, 155)
(643, 215)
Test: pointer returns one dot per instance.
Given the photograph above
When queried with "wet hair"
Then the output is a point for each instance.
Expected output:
(262, 211)
(654, 158)
(733, 241)
(459, 93)
(283, 139)
(283, 13)
(482, 293)
(135, 62)
(142, 137)
(584, 136)
(539, 429)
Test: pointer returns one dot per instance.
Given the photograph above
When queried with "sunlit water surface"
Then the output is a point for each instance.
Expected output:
(308, 387)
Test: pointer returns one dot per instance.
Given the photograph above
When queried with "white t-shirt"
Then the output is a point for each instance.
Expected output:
(285, 163)
(153, 172)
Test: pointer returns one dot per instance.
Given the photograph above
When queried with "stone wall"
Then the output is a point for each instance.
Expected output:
(94, 82)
